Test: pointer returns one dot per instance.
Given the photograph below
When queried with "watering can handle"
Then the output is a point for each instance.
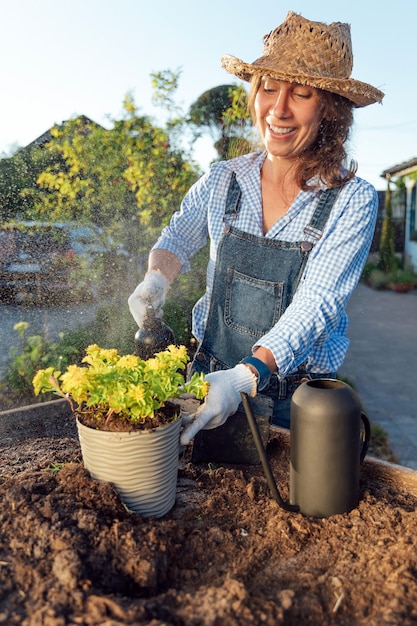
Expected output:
(262, 455)
(367, 437)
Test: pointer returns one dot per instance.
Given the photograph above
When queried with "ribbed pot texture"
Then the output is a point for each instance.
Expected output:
(142, 465)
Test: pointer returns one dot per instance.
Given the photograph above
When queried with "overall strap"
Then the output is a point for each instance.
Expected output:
(234, 194)
(318, 221)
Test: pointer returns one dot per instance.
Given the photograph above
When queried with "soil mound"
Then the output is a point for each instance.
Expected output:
(227, 554)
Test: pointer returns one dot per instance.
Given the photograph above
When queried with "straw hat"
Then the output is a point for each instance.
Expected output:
(308, 53)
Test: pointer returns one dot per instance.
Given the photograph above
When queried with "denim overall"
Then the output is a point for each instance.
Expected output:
(255, 280)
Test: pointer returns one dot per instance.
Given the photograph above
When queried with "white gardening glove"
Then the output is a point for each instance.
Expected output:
(152, 292)
(222, 400)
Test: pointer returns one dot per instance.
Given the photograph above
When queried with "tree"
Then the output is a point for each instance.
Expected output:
(86, 177)
(387, 259)
(17, 173)
(134, 173)
(223, 111)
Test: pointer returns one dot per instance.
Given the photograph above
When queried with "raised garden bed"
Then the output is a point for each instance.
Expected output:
(70, 553)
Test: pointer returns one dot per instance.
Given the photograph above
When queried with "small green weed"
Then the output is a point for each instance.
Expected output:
(54, 468)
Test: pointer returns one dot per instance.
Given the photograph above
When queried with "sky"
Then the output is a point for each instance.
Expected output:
(62, 58)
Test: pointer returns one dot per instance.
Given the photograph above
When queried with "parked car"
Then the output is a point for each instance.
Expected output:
(60, 260)
(89, 242)
(36, 261)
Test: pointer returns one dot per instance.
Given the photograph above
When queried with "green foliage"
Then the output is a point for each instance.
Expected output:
(403, 276)
(380, 444)
(133, 175)
(129, 178)
(387, 261)
(369, 268)
(157, 174)
(209, 108)
(55, 468)
(223, 112)
(113, 327)
(185, 292)
(87, 174)
(238, 122)
(126, 386)
(17, 174)
(378, 279)
(165, 85)
(178, 320)
(33, 352)
(36, 351)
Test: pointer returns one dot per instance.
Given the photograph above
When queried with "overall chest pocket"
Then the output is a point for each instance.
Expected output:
(252, 305)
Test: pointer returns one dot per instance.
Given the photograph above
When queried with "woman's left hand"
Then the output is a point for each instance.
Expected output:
(222, 399)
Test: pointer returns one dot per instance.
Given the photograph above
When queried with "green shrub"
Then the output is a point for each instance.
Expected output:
(367, 271)
(113, 327)
(33, 353)
(378, 279)
(404, 276)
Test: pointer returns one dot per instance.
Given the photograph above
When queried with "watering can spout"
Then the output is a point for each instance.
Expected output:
(329, 440)
(263, 458)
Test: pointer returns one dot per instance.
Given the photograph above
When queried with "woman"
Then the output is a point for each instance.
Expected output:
(290, 229)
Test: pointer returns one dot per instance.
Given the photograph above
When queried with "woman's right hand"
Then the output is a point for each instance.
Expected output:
(152, 292)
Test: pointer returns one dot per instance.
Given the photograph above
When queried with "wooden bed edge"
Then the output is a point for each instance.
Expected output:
(401, 479)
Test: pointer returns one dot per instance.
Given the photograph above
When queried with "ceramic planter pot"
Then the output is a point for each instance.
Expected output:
(142, 464)
(400, 287)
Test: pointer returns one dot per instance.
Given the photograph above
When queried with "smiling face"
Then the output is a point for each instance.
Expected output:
(288, 116)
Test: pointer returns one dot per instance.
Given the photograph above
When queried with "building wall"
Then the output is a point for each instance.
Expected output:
(410, 246)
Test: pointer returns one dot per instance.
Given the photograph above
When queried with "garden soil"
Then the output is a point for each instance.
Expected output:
(227, 554)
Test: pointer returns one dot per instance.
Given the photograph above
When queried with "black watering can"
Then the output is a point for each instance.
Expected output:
(329, 438)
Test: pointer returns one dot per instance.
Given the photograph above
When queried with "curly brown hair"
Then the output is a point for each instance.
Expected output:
(326, 157)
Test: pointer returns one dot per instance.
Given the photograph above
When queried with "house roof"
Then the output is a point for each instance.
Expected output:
(406, 167)
(46, 136)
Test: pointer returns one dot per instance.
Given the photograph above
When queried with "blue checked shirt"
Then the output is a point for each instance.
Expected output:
(313, 327)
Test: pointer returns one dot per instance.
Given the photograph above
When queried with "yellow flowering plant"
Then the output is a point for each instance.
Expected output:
(111, 385)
